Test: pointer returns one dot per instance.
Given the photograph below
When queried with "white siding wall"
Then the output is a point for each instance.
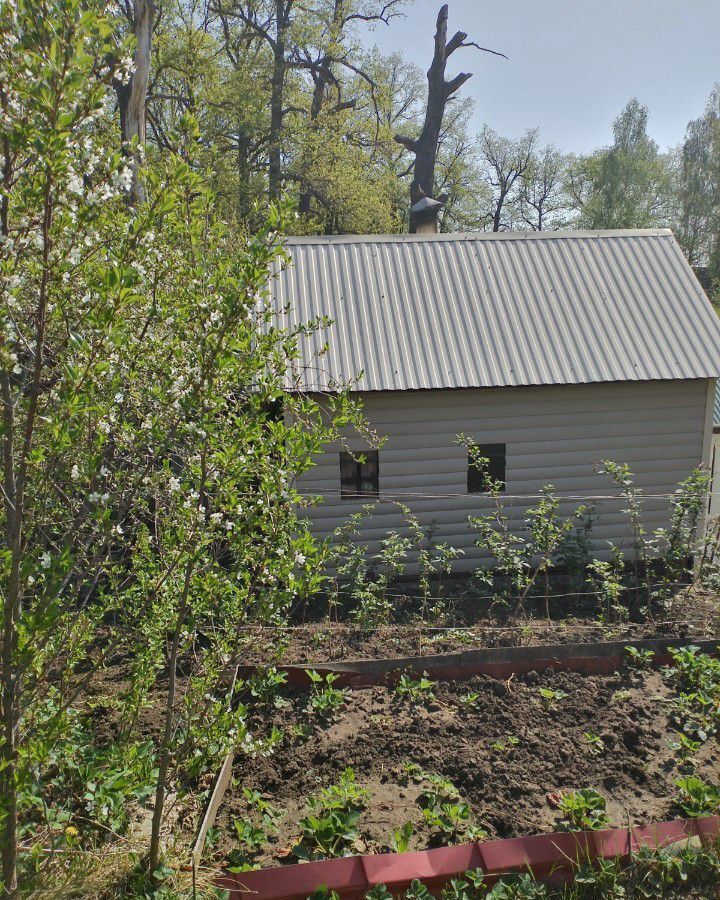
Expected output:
(714, 509)
(556, 434)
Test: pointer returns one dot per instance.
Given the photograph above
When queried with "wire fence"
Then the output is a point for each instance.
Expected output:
(438, 495)
(534, 625)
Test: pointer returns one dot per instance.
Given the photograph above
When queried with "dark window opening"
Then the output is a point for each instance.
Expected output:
(493, 468)
(359, 474)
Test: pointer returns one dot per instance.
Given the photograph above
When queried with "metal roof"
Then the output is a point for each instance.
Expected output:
(485, 310)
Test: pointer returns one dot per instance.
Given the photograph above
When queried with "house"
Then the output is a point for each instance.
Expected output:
(552, 351)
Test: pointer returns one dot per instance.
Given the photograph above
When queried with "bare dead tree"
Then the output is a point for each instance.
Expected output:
(132, 95)
(440, 91)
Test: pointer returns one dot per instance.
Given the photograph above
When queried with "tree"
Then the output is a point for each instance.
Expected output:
(148, 501)
(132, 94)
(543, 201)
(440, 91)
(505, 164)
(698, 188)
(626, 185)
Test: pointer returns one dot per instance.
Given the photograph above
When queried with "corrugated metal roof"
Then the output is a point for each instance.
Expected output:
(481, 310)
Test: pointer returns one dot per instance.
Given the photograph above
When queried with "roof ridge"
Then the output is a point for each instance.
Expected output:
(477, 236)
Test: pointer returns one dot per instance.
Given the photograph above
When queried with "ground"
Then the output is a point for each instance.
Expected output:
(511, 787)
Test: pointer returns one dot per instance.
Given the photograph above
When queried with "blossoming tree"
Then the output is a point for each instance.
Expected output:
(149, 446)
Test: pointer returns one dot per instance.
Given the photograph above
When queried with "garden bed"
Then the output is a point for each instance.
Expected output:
(694, 617)
(507, 749)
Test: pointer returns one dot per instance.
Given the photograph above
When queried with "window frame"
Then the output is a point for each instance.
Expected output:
(372, 462)
(496, 453)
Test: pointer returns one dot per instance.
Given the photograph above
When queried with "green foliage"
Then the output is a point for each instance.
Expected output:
(638, 658)
(444, 811)
(551, 697)
(418, 691)
(596, 745)
(696, 676)
(142, 431)
(506, 745)
(325, 700)
(625, 185)
(697, 797)
(331, 828)
(582, 810)
(401, 837)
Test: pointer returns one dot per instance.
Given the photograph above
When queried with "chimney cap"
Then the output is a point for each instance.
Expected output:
(426, 204)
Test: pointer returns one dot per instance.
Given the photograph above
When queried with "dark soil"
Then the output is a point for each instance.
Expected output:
(510, 792)
(325, 641)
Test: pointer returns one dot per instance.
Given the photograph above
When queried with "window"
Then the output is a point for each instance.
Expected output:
(359, 473)
(494, 468)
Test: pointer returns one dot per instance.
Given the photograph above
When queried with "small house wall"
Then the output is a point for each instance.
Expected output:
(554, 434)
(714, 506)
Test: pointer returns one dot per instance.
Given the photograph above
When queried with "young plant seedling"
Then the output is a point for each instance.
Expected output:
(596, 745)
(251, 837)
(325, 700)
(506, 745)
(468, 701)
(445, 812)
(550, 697)
(401, 837)
(639, 659)
(583, 810)
(419, 691)
(410, 771)
(697, 797)
(331, 828)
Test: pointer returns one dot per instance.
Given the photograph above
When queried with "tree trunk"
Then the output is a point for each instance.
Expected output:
(132, 96)
(277, 97)
(439, 92)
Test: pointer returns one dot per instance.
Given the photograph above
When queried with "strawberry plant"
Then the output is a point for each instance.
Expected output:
(325, 700)
(583, 810)
(639, 659)
(697, 797)
(551, 697)
(418, 691)
(331, 828)
(400, 840)
(506, 745)
(445, 812)
(596, 745)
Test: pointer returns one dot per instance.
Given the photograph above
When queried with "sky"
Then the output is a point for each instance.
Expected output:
(573, 64)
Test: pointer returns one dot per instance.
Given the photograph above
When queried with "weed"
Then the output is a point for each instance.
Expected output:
(582, 810)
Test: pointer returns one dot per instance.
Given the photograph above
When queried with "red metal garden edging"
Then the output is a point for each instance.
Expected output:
(497, 662)
(551, 856)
